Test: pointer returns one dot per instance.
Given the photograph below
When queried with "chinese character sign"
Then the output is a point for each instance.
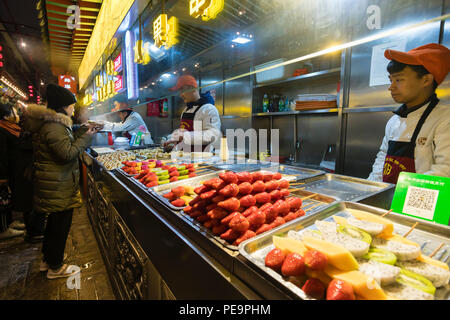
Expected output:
(207, 9)
(68, 82)
(165, 31)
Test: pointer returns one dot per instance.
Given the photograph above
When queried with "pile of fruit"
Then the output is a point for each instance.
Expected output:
(152, 177)
(180, 196)
(115, 159)
(238, 206)
(137, 167)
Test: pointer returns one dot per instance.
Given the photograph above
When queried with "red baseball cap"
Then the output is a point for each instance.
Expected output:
(434, 57)
(185, 80)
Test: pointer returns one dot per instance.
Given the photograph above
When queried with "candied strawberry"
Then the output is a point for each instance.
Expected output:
(211, 206)
(283, 207)
(245, 236)
(173, 179)
(284, 193)
(231, 204)
(277, 176)
(249, 211)
(267, 176)
(256, 219)
(300, 212)
(293, 265)
(178, 203)
(202, 218)
(291, 216)
(294, 203)
(277, 222)
(274, 259)
(211, 223)
(170, 196)
(284, 184)
(262, 197)
(239, 223)
(315, 260)
(219, 229)
(178, 191)
(174, 173)
(245, 188)
(218, 184)
(340, 290)
(272, 212)
(258, 175)
(229, 177)
(244, 177)
(172, 169)
(201, 189)
(230, 190)
(200, 205)
(208, 195)
(152, 184)
(258, 186)
(230, 235)
(271, 185)
(218, 198)
(195, 213)
(265, 227)
(228, 218)
(315, 288)
(209, 183)
(195, 200)
(217, 213)
(248, 201)
(275, 195)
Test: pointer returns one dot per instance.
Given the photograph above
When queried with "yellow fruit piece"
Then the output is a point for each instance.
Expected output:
(399, 238)
(186, 199)
(340, 220)
(189, 190)
(337, 255)
(432, 261)
(364, 286)
(362, 215)
(322, 276)
(289, 245)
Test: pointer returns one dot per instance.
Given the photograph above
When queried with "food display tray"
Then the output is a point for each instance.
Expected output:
(428, 235)
(126, 174)
(240, 167)
(300, 172)
(345, 188)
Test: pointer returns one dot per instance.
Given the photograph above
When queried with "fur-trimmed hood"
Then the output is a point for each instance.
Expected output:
(36, 115)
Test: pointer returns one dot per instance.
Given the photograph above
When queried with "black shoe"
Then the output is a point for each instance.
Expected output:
(34, 239)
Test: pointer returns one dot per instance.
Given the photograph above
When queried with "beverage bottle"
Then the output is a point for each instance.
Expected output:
(265, 103)
(165, 110)
(110, 139)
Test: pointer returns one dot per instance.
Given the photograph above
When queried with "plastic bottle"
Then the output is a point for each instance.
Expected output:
(110, 138)
(265, 103)
(286, 105)
(165, 108)
(281, 104)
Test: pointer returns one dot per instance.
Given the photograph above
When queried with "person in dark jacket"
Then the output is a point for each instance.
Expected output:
(10, 164)
(56, 173)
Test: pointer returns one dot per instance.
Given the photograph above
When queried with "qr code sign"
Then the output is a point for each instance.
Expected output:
(421, 202)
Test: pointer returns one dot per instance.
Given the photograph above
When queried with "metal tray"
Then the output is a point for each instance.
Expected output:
(429, 235)
(240, 166)
(159, 191)
(301, 172)
(345, 188)
(126, 174)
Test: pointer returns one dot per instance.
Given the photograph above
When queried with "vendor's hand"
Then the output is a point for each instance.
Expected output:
(96, 125)
(92, 130)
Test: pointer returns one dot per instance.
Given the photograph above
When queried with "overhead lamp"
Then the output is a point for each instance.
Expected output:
(241, 39)
(23, 44)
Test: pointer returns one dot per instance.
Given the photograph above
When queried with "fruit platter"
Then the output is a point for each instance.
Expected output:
(233, 207)
(351, 251)
(114, 160)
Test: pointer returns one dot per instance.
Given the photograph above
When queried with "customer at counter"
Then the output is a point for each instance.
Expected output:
(417, 137)
(132, 121)
(200, 120)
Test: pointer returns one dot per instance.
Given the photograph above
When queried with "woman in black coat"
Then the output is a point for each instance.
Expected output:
(15, 173)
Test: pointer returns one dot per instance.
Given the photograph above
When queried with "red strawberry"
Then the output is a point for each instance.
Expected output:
(340, 290)
(256, 219)
(244, 177)
(300, 213)
(173, 179)
(152, 184)
(202, 218)
(272, 212)
(191, 175)
(284, 193)
(200, 205)
(210, 224)
(267, 176)
(209, 183)
(170, 196)
(228, 218)
(239, 223)
(284, 184)
(283, 207)
(277, 222)
(258, 187)
(277, 176)
(293, 265)
(178, 191)
(245, 188)
(172, 169)
(219, 229)
(178, 203)
(294, 203)
(195, 200)
(315, 288)
(230, 190)
(258, 175)
(249, 211)
(291, 216)
(187, 166)
(211, 206)
(315, 260)
(265, 227)
(229, 177)
(248, 201)
(174, 173)
(247, 235)
(201, 189)
(262, 197)
(231, 204)
(218, 199)
(218, 184)
(217, 213)
(187, 209)
(195, 213)
(274, 259)
(275, 195)
(208, 195)
(230, 235)
(271, 185)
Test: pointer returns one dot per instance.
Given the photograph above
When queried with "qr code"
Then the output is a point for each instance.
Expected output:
(421, 202)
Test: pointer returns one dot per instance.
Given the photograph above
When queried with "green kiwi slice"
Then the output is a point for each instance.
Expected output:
(415, 280)
(355, 233)
(381, 255)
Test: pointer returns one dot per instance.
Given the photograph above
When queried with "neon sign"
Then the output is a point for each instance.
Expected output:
(207, 9)
(165, 31)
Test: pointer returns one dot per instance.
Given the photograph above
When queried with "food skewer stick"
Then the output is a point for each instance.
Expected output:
(291, 190)
(312, 207)
(386, 213)
(310, 196)
(296, 183)
(410, 230)
(437, 249)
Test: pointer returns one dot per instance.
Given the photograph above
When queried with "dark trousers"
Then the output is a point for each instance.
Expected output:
(34, 223)
(5, 219)
(55, 237)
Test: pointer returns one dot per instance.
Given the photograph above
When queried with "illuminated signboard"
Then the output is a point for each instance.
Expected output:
(165, 31)
(118, 84)
(118, 63)
(131, 67)
(68, 82)
(207, 9)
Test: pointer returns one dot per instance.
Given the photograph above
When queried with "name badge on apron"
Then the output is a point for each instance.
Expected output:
(400, 155)
(187, 123)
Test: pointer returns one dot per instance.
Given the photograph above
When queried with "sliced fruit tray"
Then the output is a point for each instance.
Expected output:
(367, 256)
(232, 207)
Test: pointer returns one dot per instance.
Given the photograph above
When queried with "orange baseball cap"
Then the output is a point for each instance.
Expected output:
(185, 80)
(434, 57)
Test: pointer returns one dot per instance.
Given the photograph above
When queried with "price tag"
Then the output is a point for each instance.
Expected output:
(423, 196)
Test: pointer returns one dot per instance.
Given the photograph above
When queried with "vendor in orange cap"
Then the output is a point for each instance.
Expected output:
(417, 137)
(200, 121)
